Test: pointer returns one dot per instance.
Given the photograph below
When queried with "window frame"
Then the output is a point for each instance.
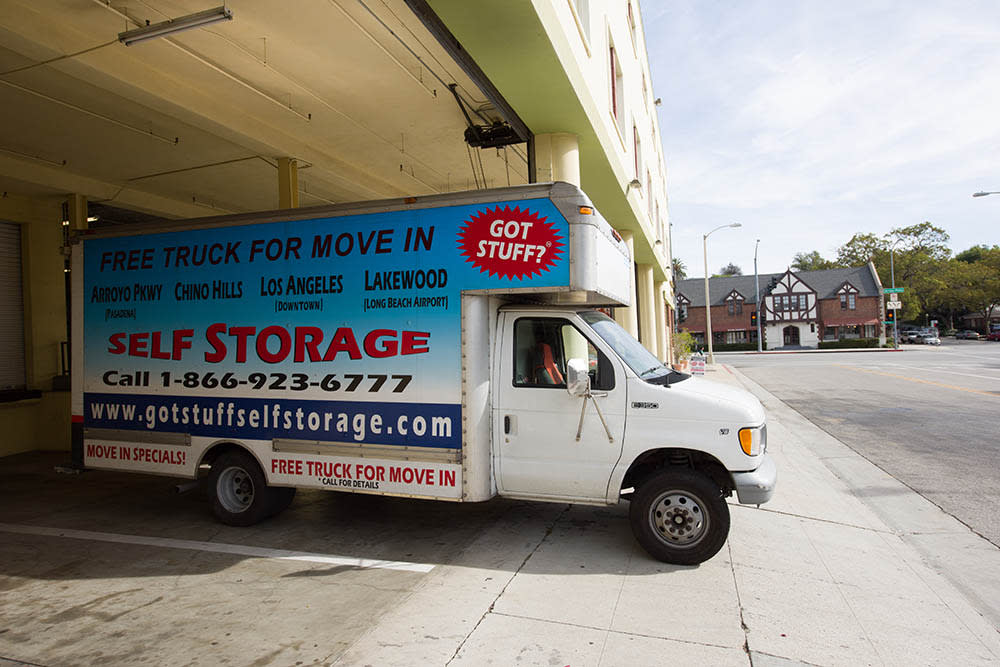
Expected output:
(605, 368)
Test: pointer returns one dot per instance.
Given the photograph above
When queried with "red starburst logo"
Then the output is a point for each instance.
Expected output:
(510, 243)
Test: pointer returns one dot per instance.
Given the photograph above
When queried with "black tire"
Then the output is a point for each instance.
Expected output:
(282, 497)
(679, 517)
(240, 494)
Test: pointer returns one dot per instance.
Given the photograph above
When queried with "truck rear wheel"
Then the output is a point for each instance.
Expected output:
(679, 517)
(240, 494)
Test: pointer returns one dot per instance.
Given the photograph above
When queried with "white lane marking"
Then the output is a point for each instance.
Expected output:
(935, 369)
(217, 547)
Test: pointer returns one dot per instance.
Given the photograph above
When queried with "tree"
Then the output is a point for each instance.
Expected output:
(811, 261)
(680, 271)
(916, 253)
(860, 249)
(969, 286)
(975, 253)
(730, 270)
(924, 238)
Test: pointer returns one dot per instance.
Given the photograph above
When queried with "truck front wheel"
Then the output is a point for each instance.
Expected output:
(679, 517)
(240, 494)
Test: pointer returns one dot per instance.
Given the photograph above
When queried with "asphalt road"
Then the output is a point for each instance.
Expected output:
(928, 416)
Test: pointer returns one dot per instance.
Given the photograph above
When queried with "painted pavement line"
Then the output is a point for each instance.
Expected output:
(931, 382)
(217, 547)
(938, 369)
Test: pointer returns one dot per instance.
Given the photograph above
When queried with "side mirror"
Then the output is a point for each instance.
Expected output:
(577, 377)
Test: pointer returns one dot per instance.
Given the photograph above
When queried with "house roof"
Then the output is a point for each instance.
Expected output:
(826, 283)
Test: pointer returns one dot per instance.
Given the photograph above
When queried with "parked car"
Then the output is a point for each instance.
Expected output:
(928, 339)
(993, 335)
(968, 335)
(910, 336)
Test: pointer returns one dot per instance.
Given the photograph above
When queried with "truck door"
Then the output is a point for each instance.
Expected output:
(535, 419)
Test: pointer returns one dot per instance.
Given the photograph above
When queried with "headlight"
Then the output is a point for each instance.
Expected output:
(753, 441)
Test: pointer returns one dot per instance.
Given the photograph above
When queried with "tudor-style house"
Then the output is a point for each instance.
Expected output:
(800, 309)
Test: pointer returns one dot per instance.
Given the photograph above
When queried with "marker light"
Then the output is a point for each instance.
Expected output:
(751, 440)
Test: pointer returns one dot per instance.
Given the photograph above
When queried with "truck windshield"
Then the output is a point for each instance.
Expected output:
(631, 351)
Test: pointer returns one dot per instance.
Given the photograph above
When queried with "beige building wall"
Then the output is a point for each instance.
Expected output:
(42, 422)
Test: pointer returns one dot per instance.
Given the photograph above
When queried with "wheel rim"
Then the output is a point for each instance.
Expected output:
(679, 519)
(235, 489)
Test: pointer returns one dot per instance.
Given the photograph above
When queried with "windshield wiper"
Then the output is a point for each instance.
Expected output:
(650, 370)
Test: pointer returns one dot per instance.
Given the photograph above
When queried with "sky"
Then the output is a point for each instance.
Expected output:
(808, 121)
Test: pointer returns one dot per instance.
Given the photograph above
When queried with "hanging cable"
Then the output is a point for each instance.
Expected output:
(57, 58)
(472, 165)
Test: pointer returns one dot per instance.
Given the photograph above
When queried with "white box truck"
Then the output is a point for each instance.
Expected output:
(442, 347)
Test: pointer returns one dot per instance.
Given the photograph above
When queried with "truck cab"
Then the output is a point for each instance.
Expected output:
(583, 413)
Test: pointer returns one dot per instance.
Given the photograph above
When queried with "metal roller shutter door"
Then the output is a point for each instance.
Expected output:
(11, 309)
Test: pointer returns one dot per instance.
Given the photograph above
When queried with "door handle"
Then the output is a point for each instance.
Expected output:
(506, 424)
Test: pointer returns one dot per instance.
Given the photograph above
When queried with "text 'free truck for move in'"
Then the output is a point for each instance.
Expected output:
(445, 347)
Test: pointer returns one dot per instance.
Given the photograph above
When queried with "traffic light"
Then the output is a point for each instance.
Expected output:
(890, 316)
(753, 318)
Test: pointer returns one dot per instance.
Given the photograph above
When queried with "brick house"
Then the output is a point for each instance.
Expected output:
(800, 308)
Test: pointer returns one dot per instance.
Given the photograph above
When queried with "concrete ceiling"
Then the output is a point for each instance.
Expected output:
(192, 124)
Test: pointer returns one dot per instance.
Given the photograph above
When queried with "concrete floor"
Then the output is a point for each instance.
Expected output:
(68, 600)
(118, 569)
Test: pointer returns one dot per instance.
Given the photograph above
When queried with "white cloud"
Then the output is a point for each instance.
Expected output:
(831, 118)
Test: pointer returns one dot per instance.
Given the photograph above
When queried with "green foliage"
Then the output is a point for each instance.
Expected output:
(683, 343)
(735, 347)
(812, 261)
(914, 254)
(975, 253)
(937, 286)
(730, 270)
(680, 271)
(860, 249)
(848, 343)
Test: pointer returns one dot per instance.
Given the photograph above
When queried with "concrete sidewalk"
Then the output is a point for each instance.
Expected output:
(821, 575)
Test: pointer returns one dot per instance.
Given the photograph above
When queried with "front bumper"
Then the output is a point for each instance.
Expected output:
(757, 486)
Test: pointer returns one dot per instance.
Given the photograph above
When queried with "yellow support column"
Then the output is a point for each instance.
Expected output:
(557, 158)
(627, 318)
(647, 308)
(288, 183)
(662, 329)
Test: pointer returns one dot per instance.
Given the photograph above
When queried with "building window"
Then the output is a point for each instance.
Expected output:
(631, 28)
(637, 150)
(617, 85)
(803, 302)
(582, 10)
(731, 307)
(850, 302)
(684, 311)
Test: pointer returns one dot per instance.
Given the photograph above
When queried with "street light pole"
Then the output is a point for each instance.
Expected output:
(756, 287)
(708, 304)
(892, 277)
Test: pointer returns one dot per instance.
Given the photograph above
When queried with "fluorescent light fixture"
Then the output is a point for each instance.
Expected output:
(170, 26)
